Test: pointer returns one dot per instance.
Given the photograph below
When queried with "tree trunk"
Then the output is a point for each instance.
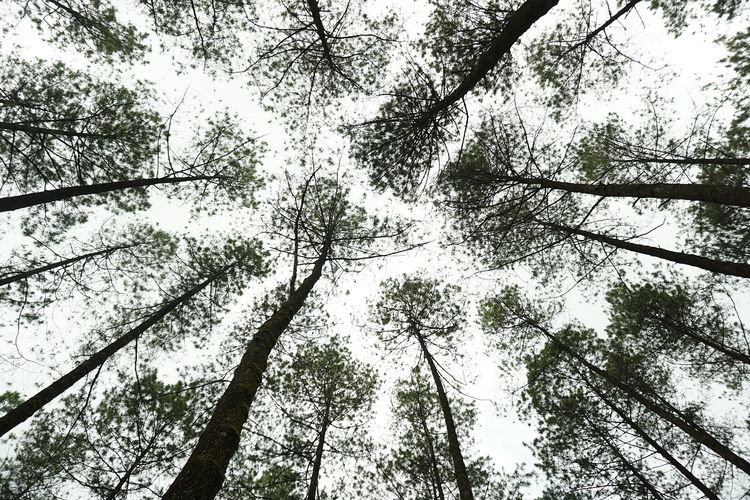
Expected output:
(707, 193)
(321, 31)
(516, 24)
(63, 263)
(203, 474)
(430, 447)
(313, 488)
(462, 477)
(31, 199)
(26, 409)
(31, 129)
(713, 265)
(692, 429)
(652, 442)
(645, 482)
(690, 161)
(728, 351)
(126, 477)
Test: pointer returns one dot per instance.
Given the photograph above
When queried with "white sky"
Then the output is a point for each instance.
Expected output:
(694, 59)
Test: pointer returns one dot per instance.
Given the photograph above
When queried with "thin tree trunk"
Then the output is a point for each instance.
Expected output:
(516, 24)
(713, 265)
(645, 482)
(313, 488)
(705, 340)
(690, 161)
(126, 477)
(32, 129)
(617, 15)
(691, 428)
(652, 442)
(321, 31)
(708, 193)
(26, 409)
(63, 263)
(430, 446)
(40, 197)
(462, 477)
(203, 474)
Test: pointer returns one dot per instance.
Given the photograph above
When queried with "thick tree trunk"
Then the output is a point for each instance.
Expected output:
(312, 490)
(708, 193)
(713, 265)
(656, 446)
(462, 477)
(41, 197)
(430, 448)
(665, 411)
(32, 129)
(203, 474)
(516, 24)
(63, 263)
(35, 403)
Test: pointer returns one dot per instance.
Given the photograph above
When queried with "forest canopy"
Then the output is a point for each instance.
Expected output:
(334, 249)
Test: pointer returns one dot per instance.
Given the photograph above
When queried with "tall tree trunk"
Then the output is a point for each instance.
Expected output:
(312, 490)
(516, 24)
(459, 468)
(664, 410)
(713, 265)
(645, 482)
(728, 351)
(430, 447)
(617, 15)
(652, 442)
(63, 263)
(690, 161)
(321, 31)
(32, 129)
(40, 197)
(26, 409)
(203, 474)
(136, 462)
(708, 193)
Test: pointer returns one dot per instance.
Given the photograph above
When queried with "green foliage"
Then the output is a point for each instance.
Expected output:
(137, 432)
(681, 322)
(420, 307)
(299, 72)
(91, 26)
(319, 392)
(457, 32)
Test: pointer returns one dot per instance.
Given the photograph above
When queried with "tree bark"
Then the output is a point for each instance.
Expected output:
(10, 203)
(321, 31)
(690, 161)
(462, 477)
(430, 447)
(32, 129)
(203, 474)
(656, 446)
(645, 482)
(707, 193)
(35, 403)
(691, 428)
(728, 351)
(313, 488)
(516, 24)
(713, 265)
(63, 263)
